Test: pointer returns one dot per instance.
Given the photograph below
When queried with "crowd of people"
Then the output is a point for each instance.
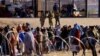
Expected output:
(16, 10)
(27, 40)
(19, 10)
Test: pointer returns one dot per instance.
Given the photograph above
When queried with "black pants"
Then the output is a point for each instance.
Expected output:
(57, 21)
(93, 49)
(58, 43)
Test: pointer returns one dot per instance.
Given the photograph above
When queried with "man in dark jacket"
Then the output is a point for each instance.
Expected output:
(5, 48)
(92, 41)
(55, 7)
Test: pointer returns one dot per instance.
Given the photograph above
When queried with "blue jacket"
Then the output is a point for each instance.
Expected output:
(22, 36)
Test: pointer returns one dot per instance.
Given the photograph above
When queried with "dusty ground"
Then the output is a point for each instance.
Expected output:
(69, 53)
(65, 21)
(68, 21)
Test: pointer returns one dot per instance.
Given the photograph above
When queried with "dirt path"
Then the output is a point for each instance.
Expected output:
(65, 21)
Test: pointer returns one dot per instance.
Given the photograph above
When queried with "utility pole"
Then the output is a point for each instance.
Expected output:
(59, 5)
(86, 4)
(99, 8)
(33, 4)
(45, 7)
(35, 8)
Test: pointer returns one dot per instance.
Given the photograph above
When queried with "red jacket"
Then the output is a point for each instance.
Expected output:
(77, 35)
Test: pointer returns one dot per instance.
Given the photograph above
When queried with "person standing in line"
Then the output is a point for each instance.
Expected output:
(50, 16)
(29, 41)
(56, 14)
(45, 40)
(21, 34)
(76, 33)
(92, 41)
(57, 21)
(39, 38)
(42, 18)
(57, 37)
